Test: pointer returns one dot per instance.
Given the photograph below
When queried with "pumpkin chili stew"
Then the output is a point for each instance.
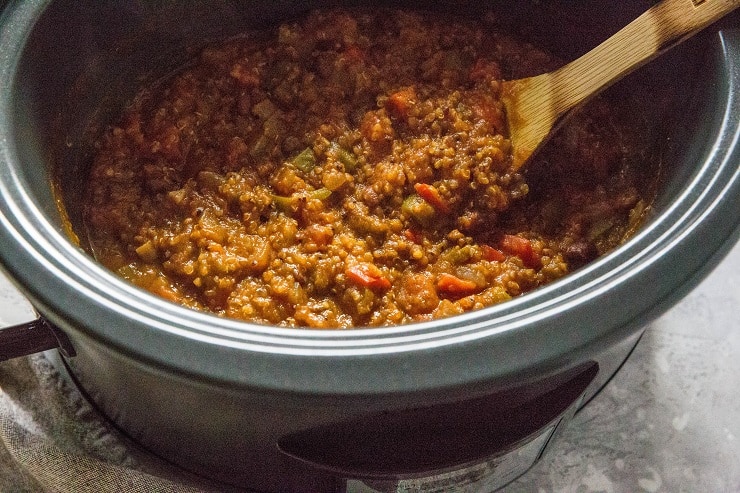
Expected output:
(352, 169)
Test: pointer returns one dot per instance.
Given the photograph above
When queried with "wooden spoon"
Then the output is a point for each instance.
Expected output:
(536, 106)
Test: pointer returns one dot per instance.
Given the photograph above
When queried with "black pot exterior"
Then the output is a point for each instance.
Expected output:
(247, 404)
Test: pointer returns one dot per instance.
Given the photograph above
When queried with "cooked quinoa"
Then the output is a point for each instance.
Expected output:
(352, 169)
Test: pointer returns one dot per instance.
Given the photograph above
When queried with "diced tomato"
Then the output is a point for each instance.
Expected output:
(492, 254)
(244, 76)
(399, 103)
(133, 129)
(431, 195)
(483, 69)
(237, 149)
(413, 236)
(417, 292)
(167, 143)
(486, 109)
(376, 127)
(319, 235)
(367, 275)
(161, 287)
(453, 285)
(354, 54)
(522, 248)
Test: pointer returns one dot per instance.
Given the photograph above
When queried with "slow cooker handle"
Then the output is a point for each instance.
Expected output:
(33, 337)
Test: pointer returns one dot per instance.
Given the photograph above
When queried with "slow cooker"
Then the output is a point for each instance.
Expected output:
(468, 402)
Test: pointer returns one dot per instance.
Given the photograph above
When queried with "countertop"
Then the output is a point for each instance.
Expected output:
(669, 421)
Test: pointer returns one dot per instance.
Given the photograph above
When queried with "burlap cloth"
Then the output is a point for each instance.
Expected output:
(51, 440)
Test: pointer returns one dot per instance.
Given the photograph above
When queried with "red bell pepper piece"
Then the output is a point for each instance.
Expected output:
(483, 69)
(453, 285)
(413, 236)
(354, 54)
(522, 248)
(367, 275)
(399, 103)
(492, 254)
(430, 194)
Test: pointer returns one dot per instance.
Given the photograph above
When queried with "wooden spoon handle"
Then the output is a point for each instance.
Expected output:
(658, 29)
(535, 105)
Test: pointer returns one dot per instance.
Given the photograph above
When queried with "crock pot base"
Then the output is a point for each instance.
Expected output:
(59, 441)
(88, 450)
